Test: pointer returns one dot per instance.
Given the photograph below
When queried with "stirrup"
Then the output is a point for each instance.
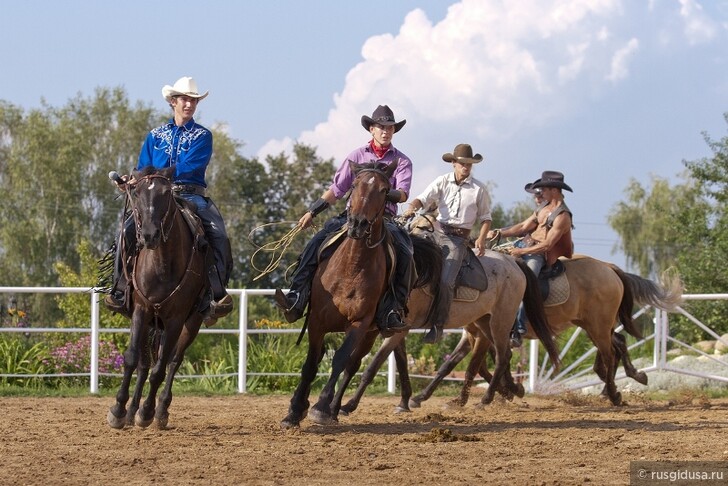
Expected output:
(291, 311)
(221, 308)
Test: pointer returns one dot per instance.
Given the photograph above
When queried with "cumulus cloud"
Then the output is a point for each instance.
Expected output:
(698, 27)
(620, 59)
(490, 66)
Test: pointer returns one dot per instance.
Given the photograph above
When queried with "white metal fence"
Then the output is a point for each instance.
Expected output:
(539, 376)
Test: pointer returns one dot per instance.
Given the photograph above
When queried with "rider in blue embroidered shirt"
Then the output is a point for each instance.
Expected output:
(188, 146)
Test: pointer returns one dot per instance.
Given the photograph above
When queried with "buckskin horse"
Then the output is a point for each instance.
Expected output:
(600, 295)
(168, 279)
(346, 290)
(491, 311)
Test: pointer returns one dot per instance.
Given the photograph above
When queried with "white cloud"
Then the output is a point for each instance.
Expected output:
(490, 66)
(620, 59)
(698, 27)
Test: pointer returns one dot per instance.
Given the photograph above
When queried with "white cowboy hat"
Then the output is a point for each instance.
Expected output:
(184, 86)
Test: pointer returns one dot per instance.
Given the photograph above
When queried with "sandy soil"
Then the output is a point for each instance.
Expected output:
(237, 440)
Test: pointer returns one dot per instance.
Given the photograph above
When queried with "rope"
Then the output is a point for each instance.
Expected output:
(276, 248)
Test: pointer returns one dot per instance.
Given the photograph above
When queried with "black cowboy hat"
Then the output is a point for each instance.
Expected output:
(529, 187)
(463, 153)
(384, 116)
(551, 178)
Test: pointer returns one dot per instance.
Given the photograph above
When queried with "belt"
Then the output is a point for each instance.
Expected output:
(189, 189)
(454, 231)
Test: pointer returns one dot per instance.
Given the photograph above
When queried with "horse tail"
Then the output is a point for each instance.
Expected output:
(428, 261)
(536, 312)
(666, 296)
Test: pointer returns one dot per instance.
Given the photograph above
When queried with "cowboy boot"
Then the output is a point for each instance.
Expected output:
(294, 303)
(221, 303)
(519, 328)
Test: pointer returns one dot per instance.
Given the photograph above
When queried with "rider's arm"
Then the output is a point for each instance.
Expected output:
(561, 226)
(520, 229)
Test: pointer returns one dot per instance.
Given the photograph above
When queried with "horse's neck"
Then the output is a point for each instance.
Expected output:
(172, 254)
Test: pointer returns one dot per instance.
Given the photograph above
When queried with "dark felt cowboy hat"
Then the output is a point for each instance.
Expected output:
(384, 116)
(529, 187)
(463, 153)
(551, 178)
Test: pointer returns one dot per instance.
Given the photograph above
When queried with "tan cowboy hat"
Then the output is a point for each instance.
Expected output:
(384, 116)
(551, 178)
(185, 86)
(463, 153)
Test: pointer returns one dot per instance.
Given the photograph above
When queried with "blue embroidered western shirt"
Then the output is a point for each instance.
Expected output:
(188, 146)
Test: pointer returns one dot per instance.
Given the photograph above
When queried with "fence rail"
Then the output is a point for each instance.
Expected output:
(539, 377)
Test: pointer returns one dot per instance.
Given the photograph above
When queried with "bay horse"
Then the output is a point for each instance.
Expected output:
(346, 290)
(492, 313)
(169, 276)
(601, 295)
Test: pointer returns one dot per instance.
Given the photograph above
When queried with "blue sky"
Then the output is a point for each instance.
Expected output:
(602, 90)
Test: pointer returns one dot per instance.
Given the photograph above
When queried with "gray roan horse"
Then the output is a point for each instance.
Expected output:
(492, 313)
(168, 279)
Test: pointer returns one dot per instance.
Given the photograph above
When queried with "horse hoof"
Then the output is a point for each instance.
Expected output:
(401, 409)
(290, 423)
(321, 418)
(641, 378)
(139, 421)
(520, 392)
(346, 410)
(617, 399)
(114, 421)
(162, 422)
(415, 403)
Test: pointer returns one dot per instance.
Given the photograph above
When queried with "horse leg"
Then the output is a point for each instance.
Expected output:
(321, 411)
(352, 366)
(371, 371)
(400, 360)
(299, 401)
(117, 416)
(620, 348)
(498, 332)
(461, 350)
(170, 335)
(605, 365)
(189, 333)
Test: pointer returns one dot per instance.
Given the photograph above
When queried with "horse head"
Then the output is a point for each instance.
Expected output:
(152, 202)
(368, 199)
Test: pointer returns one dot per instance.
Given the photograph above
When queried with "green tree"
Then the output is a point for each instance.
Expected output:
(648, 222)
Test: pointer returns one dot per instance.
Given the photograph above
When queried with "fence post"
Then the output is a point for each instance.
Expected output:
(94, 342)
(391, 377)
(243, 344)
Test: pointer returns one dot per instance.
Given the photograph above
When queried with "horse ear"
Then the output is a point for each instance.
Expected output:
(168, 172)
(353, 167)
(391, 168)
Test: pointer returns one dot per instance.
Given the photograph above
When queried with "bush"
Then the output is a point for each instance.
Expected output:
(18, 357)
(75, 357)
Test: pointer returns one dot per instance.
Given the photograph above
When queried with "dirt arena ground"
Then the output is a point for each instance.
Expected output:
(237, 440)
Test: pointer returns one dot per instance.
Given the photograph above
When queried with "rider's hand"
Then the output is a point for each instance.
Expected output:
(480, 247)
(305, 220)
(493, 234)
(408, 213)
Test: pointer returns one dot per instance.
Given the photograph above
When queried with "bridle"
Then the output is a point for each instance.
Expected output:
(380, 212)
(168, 214)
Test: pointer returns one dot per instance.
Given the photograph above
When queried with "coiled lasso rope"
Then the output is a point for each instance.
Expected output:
(276, 248)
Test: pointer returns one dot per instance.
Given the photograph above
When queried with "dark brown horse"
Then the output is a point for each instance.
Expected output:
(345, 292)
(169, 278)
